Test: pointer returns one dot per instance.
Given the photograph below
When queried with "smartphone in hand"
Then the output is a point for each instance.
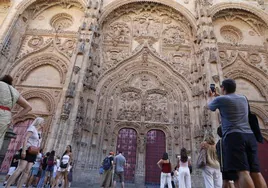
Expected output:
(212, 88)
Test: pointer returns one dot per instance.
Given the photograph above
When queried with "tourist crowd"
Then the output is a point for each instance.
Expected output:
(29, 166)
(232, 162)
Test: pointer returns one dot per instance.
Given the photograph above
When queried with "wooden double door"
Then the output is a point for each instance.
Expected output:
(155, 147)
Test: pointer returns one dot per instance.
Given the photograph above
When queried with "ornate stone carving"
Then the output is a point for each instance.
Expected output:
(35, 42)
(118, 33)
(156, 108)
(129, 106)
(173, 35)
(150, 24)
(231, 34)
(61, 21)
(256, 24)
(146, 27)
(254, 58)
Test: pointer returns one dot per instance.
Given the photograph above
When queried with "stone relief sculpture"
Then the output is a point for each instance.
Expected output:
(129, 107)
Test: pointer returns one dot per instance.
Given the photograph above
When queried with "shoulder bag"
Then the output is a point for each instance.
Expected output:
(202, 158)
(254, 125)
(33, 150)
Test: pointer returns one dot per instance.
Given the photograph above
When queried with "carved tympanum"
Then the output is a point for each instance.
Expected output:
(61, 21)
(231, 34)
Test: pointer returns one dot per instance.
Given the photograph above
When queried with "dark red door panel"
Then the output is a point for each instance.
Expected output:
(127, 143)
(15, 144)
(155, 147)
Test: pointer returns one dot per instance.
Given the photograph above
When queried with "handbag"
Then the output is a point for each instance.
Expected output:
(101, 170)
(33, 150)
(254, 125)
(202, 158)
(62, 165)
(190, 168)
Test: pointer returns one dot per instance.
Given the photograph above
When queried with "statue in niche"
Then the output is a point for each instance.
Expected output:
(141, 144)
(109, 115)
(71, 90)
(81, 47)
(158, 115)
(176, 118)
(67, 108)
(164, 115)
(149, 113)
(121, 114)
(176, 133)
(98, 115)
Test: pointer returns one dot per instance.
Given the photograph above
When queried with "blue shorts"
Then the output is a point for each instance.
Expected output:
(34, 171)
(50, 168)
(240, 153)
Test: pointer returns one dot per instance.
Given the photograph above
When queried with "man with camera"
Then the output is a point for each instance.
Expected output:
(240, 151)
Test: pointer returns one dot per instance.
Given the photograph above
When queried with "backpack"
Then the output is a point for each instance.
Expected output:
(106, 164)
(50, 162)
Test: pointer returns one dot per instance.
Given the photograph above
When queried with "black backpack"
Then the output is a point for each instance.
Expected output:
(106, 164)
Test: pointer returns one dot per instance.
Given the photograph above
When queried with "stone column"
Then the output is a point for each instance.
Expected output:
(207, 53)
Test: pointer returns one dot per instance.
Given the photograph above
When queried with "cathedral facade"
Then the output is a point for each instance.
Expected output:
(132, 75)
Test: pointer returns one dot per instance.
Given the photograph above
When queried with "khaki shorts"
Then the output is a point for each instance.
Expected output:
(119, 176)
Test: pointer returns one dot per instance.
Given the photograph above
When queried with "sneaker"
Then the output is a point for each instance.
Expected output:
(4, 184)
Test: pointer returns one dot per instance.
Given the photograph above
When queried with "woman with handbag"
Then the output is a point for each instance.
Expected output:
(28, 153)
(9, 97)
(65, 163)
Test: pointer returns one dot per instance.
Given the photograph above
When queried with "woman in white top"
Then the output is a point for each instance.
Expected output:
(65, 164)
(27, 159)
(184, 171)
(9, 97)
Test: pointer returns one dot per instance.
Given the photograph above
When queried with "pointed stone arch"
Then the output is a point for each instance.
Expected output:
(251, 77)
(122, 125)
(44, 96)
(22, 68)
(172, 4)
(242, 6)
(239, 67)
(144, 59)
(23, 5)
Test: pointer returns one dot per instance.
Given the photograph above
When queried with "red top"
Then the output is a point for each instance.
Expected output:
(166, 167)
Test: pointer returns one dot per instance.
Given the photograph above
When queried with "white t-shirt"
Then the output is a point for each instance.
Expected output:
(34, 138)
(37, 162)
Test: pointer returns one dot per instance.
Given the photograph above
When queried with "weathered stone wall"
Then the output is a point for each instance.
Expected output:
(93, 67)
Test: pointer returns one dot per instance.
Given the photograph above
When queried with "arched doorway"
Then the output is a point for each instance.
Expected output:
(263, 157)
(127, 143)
(155, 147)
(15, 144)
